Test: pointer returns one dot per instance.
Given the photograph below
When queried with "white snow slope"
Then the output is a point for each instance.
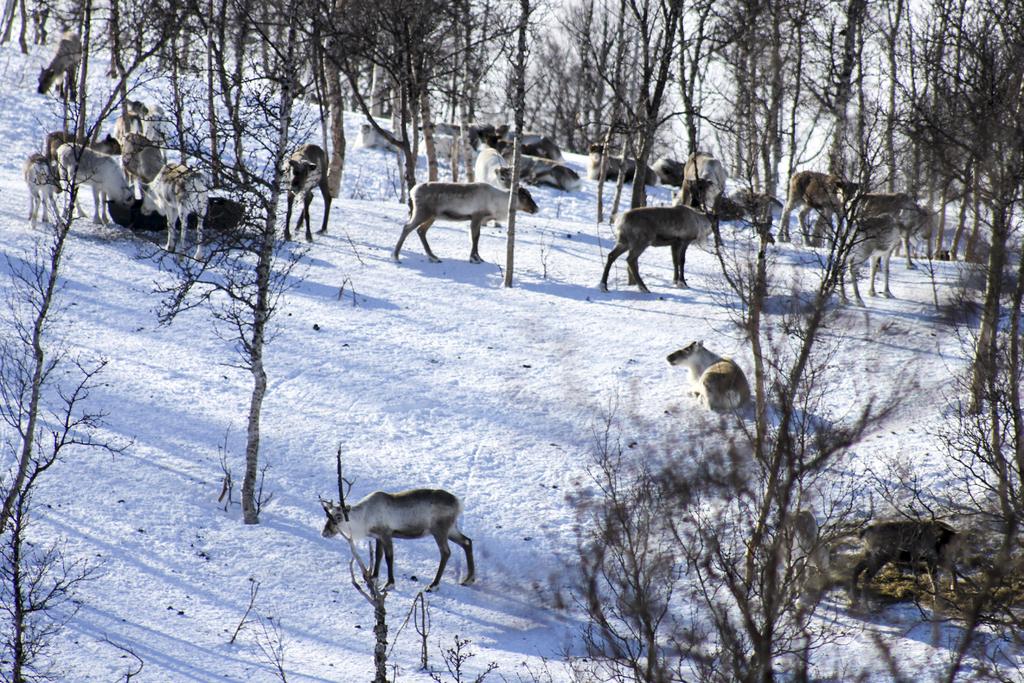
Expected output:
(427, 375)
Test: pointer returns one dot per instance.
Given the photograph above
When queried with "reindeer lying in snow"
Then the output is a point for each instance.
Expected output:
(473, 202)
(719, 382)
(409, 514)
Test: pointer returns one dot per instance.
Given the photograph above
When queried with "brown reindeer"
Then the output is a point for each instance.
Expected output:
(307, 168)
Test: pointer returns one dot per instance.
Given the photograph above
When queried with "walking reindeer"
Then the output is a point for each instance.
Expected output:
(408, 514)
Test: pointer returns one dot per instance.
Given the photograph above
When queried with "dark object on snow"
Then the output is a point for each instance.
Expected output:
(223, 216)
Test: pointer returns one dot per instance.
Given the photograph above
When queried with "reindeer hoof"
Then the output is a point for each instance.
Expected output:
(468, 581)
(431, 588)
(889, 295)
(603, 287)
(434, 259)
(322, 231)
(681, 284)
(474, 259)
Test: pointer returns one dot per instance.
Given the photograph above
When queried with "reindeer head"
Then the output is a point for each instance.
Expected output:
(524, 201)
(298, 173)
(679, 357)
(337, 519)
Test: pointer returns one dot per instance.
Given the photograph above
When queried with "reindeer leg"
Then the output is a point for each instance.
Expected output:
(326, 194)
(784, 222)
(172, 217)
(474, 232)
(633, 263)
(288, 219)
(442, 545)
(378, 553)
(888, 292)
(615, 253)
(422, 232)
(306, 201)
(466, 543)
(906, 247)
(801, 218)
(389, 557)
(32, 209)
(853, 277)
(96, 205)
(683, 244)
(873, 261)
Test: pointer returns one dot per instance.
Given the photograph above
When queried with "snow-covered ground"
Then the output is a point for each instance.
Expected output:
(426, 375)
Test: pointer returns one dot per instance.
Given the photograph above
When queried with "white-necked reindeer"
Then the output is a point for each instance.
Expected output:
(178, 192)
(81, 165)
(41, 178)
(307, 168)
(410, 514)
(719, 382)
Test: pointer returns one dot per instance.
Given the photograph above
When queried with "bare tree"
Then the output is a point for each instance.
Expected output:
(245, 269)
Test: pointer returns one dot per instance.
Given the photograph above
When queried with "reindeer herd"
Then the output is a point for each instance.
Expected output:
(133, 182)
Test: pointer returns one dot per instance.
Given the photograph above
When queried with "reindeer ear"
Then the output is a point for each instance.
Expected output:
(326, 505)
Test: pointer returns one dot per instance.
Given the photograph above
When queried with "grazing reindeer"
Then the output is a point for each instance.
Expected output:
(473, 202)
(307, 168)
(61, 70)
(178, 192)
(705, 174)
(102, 172)
(822, 192)
(409, 514)
(718, 382)
(656, 226)
(141, 161)
(41, 178)
(907, 541)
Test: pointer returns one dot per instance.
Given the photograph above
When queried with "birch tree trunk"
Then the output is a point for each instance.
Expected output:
(520, 115)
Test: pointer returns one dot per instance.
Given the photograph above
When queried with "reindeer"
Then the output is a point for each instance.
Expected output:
(612, 166)
(907, 541)
(141, 161)
(178, 192)
(55, 139)
(881, 220)
(41, 178)
(705, 174)
(670, 171)
(656, 226)
(307, 168)
(408, 514)
(488, 166)
(83, 166)
(539, 171)
(473, 202)
(61, 70)
(126, 124)
(718, 382)
(822, 192)
(369, 137)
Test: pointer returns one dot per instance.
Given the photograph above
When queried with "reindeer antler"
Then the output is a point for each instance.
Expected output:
(341, 487)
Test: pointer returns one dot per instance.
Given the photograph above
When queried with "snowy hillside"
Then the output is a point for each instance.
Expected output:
(426, 375)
